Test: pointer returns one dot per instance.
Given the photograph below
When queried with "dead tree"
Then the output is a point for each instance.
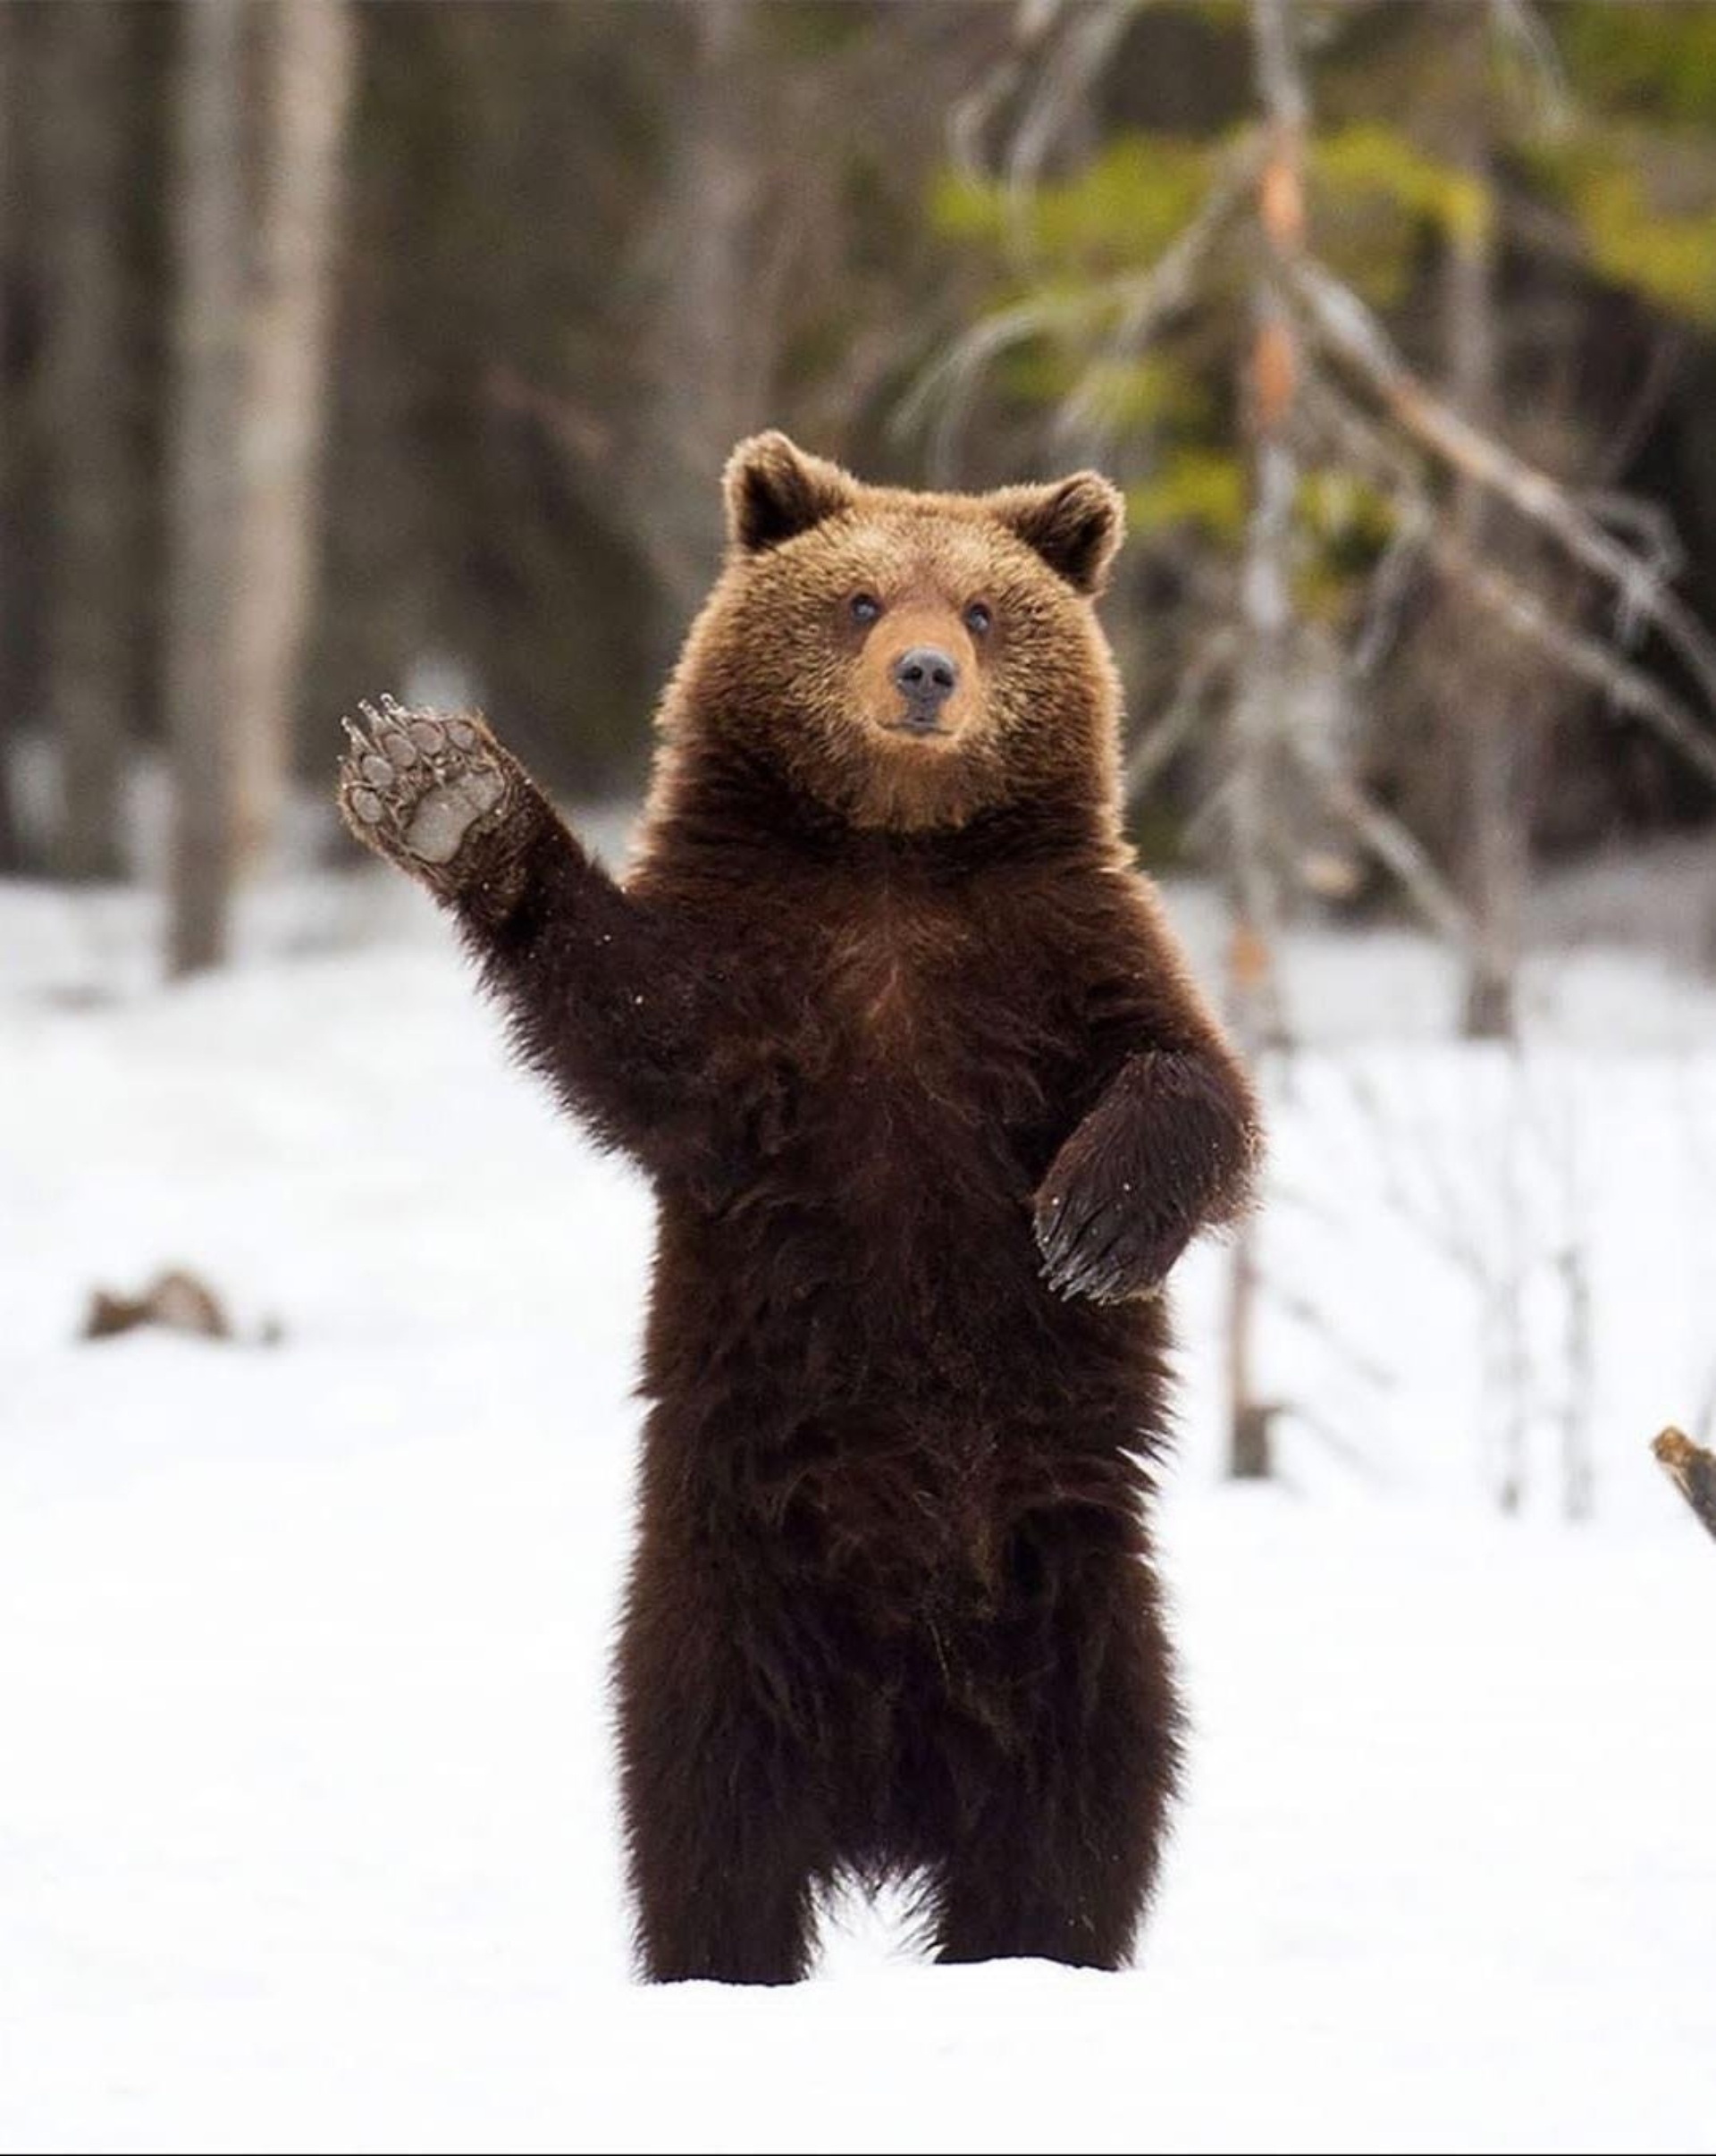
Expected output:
(1326, 383)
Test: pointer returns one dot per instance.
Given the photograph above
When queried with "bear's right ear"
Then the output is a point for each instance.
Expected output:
(1076, 525)
(774, 491)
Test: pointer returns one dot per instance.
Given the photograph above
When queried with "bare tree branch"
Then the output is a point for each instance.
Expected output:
(1166, 289)
(1070, 63)
(1628, 687)
(969, 115)
(1517, 25)
(1139, 303)
(1347, 329)
(1388, 840)
(1591, 661)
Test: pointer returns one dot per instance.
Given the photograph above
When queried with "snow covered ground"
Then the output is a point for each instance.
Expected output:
(306, 1830)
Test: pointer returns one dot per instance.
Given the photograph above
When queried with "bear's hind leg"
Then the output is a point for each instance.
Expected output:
(727, 1849)
(1017, 1891)
(1057, 1858)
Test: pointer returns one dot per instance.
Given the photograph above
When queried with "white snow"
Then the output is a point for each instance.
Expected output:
(306, 1837)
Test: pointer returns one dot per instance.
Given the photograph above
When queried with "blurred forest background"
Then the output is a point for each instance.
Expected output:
(356, 346)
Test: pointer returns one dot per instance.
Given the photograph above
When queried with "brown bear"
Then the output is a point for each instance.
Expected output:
(931, 1107)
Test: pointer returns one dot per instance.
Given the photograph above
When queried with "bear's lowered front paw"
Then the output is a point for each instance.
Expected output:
(416, 788)
(1101, 1237)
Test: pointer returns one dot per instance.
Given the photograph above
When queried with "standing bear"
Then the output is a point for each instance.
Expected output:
(931, 1107)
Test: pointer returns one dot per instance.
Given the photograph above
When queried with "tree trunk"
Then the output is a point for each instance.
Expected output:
(1255, 764)
(707, 365)
(1483, 727)
(306, 51)
(10, 840)
(208, 244)
(83, 367)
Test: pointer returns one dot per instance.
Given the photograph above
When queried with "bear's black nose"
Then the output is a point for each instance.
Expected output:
(926, 678)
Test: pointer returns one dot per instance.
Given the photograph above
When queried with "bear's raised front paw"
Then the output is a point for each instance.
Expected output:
(1102, 1242)
(416, 787)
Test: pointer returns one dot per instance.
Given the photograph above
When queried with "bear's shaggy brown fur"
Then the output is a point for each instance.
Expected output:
(931, 1107)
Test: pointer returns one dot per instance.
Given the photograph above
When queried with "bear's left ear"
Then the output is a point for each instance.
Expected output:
(774, 491)
(1076, 525)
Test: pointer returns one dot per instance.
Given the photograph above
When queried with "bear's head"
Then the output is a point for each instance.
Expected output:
(907, 661)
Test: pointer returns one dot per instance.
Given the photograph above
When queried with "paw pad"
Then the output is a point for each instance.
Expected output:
(415, 785)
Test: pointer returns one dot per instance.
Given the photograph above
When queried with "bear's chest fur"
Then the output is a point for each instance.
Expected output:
(913, 1068)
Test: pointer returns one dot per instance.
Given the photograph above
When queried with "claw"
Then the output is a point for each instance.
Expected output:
(1057, 1245)
(393, 708)
(1087, 1273)
(355, 734)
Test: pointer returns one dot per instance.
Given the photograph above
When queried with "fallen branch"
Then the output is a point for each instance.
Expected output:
(176, 1301)
(1692, 1470)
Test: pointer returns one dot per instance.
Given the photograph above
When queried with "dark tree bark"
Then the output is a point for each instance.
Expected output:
(11, 843)
(92, 481)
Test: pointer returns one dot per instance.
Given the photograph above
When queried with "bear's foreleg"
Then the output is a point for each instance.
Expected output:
(1168, 1149)
(602, 994)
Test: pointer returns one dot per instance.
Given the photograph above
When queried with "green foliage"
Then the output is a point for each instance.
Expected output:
(1344, 523)
(1368, 160)
(1345, 512)
(1373, 193)
(1152, 390)
(1201, 488)
(1655, 61)
(1120, 212)
(1637, 237)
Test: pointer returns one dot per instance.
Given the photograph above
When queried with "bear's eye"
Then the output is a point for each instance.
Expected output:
(978, 618)
(865, 607)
